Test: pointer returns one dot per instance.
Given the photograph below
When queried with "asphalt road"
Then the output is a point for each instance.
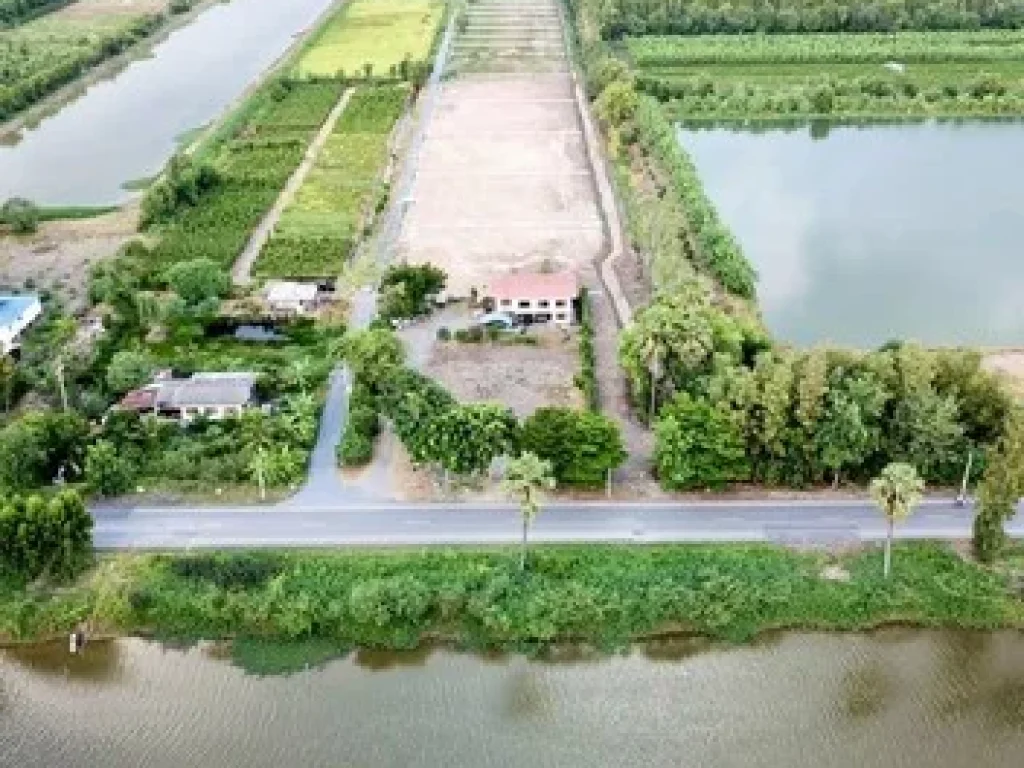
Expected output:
(401, 524)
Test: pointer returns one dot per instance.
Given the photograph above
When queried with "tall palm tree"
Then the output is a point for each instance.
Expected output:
(896, 491)
(526, 478)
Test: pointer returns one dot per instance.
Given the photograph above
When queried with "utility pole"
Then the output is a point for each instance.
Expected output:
(58, 370)
(961, 498)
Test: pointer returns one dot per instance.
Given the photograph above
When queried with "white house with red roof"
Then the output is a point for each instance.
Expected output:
(535, 297)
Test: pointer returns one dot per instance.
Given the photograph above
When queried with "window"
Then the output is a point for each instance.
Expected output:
(559, 302)
(560, 316)
(543, 303)
(524, 304)
(506, 302)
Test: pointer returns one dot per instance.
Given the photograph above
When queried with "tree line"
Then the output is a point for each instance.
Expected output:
(14, 12)
(618, 18)
(42, 536)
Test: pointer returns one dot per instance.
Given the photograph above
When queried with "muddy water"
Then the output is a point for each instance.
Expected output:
(124, 129)
(862, 234)
(902, 699)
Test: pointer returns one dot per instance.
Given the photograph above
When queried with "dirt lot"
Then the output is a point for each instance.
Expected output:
(1010, 363)
(57, 257)
(502, 182)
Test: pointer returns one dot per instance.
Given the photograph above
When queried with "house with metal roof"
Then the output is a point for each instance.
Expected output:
(17, 312)
(211, 395)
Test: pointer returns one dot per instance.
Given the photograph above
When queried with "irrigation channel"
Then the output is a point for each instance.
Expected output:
(895, 698)
(862, 234)
(125, 128)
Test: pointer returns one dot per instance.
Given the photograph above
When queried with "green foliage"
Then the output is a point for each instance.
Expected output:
(999, 492)
(183, 184)
(198, 281)
(44, 537)
(229, 570)
(581, 446)
(37, 446)
(698, 447)
(695, 17)
(467, 437)
(107, 471)
(19, 215)
(129, 369)
(356, 446)
(587, 377)
(372, 354)
(13, 12)
(406, 288)
(39, 57)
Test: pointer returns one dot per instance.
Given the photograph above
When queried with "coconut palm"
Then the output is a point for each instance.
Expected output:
(526, 478)
(896, 491)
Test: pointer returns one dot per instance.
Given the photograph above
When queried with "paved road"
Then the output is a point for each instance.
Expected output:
(397, 524)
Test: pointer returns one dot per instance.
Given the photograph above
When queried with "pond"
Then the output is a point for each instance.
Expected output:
(864, 234)
(124, 129)
(898, 699)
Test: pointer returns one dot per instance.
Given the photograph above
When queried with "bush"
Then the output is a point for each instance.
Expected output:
(20, 216)
(355, 449)
(234, 570)
(444, 333)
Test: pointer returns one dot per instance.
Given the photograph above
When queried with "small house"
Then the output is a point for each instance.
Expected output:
(214, 396)
(16, 314)
(292, 298)
(535, 297)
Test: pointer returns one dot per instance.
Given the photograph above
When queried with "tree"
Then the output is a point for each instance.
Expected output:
(198, 281)
(405, 289)
(260, 467)
(582, 446)
(372, 355)
(8, 375)
(467, 437)
(129, 369)
(999, 491)
(526, 478)
(108, 471)
(847, 430)
(896, 491)
(698, 446)
(19, 215)
(39, 536)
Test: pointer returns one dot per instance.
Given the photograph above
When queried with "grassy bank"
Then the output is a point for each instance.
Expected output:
(602, 595)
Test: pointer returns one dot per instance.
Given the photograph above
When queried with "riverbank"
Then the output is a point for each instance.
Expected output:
(604, 596)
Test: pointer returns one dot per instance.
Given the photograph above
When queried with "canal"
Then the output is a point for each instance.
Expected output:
(864, 234)
(896, 698)
(124, 129)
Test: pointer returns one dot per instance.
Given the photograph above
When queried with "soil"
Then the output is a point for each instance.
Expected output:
(58, 256)
(1010, 363)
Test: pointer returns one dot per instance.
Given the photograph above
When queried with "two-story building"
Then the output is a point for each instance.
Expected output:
(16, 314)
(535, 297)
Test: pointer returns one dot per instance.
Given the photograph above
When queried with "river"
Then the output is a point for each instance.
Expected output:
(863, 234)
(897, 698)
(125, 128)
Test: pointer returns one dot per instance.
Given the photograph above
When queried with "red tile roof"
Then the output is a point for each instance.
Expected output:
(534, 285)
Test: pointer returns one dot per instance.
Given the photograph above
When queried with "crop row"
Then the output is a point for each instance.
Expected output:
(985, 45)
(38, 58)
(339, 197)
(832, 96)
(252, 173)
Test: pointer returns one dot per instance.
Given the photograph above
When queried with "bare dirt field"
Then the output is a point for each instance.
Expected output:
(502, 182)
(1010, 363)
(58, 256)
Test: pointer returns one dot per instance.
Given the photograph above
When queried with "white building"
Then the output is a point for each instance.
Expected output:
(16, 314)
(535, 297)
(292, 298)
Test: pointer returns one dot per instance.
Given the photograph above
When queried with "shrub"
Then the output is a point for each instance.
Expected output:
(19, 215)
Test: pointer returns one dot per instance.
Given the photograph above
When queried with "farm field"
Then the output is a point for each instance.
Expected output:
(38, 57)
(912, 73)
(317, 230)
(375, 33)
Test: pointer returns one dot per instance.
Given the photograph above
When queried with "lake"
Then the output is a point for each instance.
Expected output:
(892, 699)
(866, 234)
(125, 128)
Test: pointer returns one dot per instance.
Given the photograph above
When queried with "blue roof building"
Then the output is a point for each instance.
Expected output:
(17, 312)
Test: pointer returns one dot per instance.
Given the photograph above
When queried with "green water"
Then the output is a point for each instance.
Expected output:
(893, 699)
(862, 234)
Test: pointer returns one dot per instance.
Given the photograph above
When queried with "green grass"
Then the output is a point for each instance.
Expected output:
(377, 32)
(58, 212)
(604, 595)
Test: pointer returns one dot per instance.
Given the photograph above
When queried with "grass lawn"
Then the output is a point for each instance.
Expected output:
(377, 32)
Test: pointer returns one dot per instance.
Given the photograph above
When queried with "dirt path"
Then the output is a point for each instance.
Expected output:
(241, 272)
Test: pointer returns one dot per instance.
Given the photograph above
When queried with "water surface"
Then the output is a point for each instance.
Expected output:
(895, 699)
(124, 129)
(866, 234)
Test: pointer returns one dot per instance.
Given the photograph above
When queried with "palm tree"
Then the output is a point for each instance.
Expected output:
(260, 465)
(896, 491)
(525, 479)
